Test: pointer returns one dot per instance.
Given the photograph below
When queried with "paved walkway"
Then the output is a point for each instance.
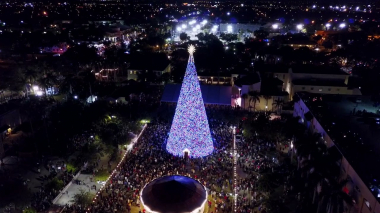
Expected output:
(67, 194)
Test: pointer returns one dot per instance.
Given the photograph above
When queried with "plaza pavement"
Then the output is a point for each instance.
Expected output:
(66, 196)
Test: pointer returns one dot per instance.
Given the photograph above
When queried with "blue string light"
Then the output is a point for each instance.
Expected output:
(190, 130)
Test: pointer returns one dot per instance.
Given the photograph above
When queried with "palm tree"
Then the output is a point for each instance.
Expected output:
(266, 97)
(333, 198)
(30, 74)
(244, 97)
(278, 104)
(66, 85)
(254, 97)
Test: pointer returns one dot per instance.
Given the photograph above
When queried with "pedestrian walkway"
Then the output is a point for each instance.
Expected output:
(88, 183)
(67, 195)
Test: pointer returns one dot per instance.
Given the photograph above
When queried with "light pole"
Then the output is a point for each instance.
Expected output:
(234, 171)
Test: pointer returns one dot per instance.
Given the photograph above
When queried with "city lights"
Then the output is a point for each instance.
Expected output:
(342, 25)
(179, 29)
(39, 93)
(229, 29)
(300, 26)
(192, 22)
(190, 129)
(214, 28)
(275, 26)
(184, 26)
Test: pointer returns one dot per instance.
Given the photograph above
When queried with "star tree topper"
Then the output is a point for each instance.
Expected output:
(191, 49)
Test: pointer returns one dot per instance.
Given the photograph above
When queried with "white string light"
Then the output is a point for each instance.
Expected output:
(235, 174)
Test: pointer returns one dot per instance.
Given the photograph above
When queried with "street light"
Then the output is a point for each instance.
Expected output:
(300, 26)
(184, 26)
(328, 25)
(342, 25)
(179, 29)
(275, 26)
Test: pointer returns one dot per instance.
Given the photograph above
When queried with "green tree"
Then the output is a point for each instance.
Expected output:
(278, 104)
(29, 210)
(254, 97)
(83, 198)
(183, 36)
(333, 198)
(244, 97)
(54, 184)
(229, 37)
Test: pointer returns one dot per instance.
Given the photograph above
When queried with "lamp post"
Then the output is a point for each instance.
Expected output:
(234, 154)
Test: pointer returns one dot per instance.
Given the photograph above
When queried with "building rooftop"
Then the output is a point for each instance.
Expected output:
(149, 62)
(248, 79)
(319, 82)
(314, 69)
(354, 126)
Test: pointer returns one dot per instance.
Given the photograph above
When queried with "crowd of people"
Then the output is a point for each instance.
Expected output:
(149, 160)
(253, 159)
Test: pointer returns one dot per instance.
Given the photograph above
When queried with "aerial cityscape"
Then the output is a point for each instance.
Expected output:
(175, 106)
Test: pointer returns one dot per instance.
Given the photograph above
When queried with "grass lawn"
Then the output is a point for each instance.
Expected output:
(102, 175)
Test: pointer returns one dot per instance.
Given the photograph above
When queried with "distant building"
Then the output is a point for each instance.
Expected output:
(236, 28)
(137, 69)
(56, 49)
(299, 44)
(315, 79)
(269, 90)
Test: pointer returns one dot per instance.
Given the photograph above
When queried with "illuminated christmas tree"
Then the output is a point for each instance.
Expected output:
(190, 131)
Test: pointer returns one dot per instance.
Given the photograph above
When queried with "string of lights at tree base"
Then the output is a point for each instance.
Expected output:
(190, 130)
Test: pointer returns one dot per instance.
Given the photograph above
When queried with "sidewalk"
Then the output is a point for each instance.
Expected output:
(67, 194)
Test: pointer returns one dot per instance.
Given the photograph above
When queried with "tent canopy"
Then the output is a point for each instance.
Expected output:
(173, 194)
